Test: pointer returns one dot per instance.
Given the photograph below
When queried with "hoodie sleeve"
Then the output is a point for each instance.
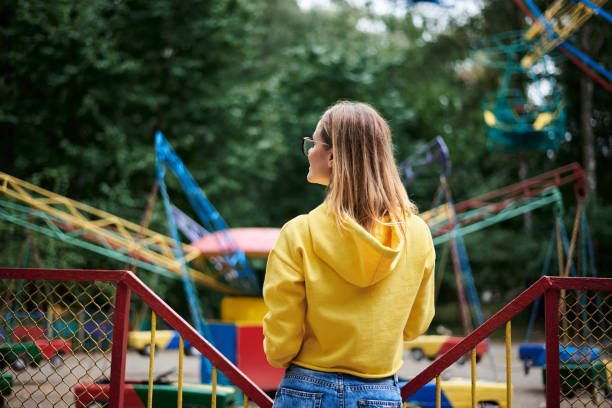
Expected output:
(422, 312)
(284, 295)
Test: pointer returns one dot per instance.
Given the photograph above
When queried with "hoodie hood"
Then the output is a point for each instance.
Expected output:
(359, 257)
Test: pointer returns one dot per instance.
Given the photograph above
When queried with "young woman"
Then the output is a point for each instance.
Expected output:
(347, 283)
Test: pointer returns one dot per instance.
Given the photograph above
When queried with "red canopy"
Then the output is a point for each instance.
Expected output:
(254, 242)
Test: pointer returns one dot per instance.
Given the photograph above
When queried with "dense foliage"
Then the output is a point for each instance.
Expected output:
(235, 84)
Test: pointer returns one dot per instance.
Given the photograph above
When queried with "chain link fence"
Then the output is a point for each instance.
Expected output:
(584, 347)
(54, 335)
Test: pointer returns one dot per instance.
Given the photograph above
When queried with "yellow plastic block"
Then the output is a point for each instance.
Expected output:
(241, 309)
(458, 392)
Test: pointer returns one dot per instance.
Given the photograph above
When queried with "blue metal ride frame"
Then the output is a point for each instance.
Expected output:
(194, 231)
(208, 215)
(417, 161)
(587, 249)
(191, 229)
(166, 156)
(598, 10)
(583, 57)
(194, 303)
(436, 149)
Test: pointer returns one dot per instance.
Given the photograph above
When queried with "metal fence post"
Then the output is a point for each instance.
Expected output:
(118, 354)
(553, 392)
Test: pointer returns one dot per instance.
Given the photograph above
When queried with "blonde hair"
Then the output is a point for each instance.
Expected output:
(365, 184)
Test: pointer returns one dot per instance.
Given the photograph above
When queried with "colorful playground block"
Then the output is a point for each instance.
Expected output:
(242, 344)
(28, 333)
(246, 314)
(594, 377)
(433, 346)
(164, 394)
(18, 355)
(251, 359)
(243, 309)
(457, 393)
(164, 340)
(534, 355)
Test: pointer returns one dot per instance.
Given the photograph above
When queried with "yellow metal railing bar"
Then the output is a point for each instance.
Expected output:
(473, 361)
(124, 235)
(213, 396)
(180, 373)
(151, 360)
(246, 401)
(438, 392)
(508, 365)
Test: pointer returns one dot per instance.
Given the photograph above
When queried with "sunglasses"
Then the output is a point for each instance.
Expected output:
(308, 143)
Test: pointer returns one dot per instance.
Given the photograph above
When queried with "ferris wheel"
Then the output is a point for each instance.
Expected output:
(527, 112)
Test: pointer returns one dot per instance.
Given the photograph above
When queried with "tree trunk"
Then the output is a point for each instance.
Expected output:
(589, 158)
(588, 138)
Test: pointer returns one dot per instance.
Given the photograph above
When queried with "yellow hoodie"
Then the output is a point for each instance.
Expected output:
(345, 300)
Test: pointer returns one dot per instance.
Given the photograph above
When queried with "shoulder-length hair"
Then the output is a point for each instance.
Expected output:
(365, 184)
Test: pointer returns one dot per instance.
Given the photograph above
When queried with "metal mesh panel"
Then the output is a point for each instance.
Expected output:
(584, 338)
(53, 336)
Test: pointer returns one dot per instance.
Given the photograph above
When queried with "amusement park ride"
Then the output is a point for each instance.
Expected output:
(449, 222)
(528, 110)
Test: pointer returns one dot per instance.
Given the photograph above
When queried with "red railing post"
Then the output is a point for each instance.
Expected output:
(553, 395)
(118, 355)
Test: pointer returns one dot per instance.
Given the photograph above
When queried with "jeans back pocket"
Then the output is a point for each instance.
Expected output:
(290, 398)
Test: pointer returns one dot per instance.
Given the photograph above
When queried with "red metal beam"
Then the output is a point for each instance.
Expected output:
(120, 337)
(603, 284)
(497, 200)
(553, 395)
(571, 173)
(495, 322)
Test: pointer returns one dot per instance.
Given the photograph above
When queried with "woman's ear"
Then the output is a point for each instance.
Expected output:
(330, 161)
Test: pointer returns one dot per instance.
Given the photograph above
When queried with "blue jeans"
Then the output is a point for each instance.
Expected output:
(304, 388)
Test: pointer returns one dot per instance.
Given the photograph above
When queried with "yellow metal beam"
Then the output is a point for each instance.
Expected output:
(564, 17)
(100, 226)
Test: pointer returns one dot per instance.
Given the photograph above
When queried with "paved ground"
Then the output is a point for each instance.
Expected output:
(36, 387)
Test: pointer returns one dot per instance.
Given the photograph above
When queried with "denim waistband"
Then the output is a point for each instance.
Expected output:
(340, 378)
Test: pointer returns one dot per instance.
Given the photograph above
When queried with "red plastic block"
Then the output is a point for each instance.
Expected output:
(252, 361)
(28, 333)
